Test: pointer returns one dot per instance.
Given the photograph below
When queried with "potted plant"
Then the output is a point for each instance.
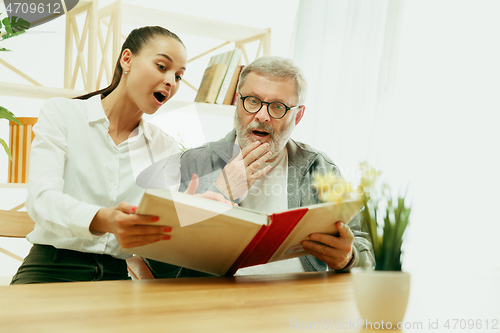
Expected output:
(381, 293)
(14, 26)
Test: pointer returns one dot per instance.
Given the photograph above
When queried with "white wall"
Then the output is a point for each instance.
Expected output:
(440, 133)
(40, 54)
(446, 117)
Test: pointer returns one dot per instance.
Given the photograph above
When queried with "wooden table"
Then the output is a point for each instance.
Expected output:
(271, 303)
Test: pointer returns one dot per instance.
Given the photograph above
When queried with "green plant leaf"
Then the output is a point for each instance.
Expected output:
(182, 147)
(10, 35)
(7, 26)
(395, 243)
(402, 219)
(7, 150)
(388, 244)
(4, 49)
(14, 26)
(370, 221)
(6, 114)
(18, 24)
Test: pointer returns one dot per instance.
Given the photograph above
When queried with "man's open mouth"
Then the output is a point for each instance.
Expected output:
(260, 133)
(160, 97)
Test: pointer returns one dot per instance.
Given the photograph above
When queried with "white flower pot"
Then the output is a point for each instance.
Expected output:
(381, 296)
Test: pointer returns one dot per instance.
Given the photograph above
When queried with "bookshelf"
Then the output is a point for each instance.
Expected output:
(101, 43)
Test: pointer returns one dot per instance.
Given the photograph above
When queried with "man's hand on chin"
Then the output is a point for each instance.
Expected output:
(243, 170)
(335, 251)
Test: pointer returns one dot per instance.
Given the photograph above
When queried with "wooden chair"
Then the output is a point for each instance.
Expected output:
(20, 138)
(14, 224)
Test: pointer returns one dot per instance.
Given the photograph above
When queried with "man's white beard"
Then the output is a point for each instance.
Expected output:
(277, 142)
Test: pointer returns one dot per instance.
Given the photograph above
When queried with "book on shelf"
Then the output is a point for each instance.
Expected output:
(235, 92)
(232, 61)
(218, 77)
(210, 84)
(217, 238)
(228, 99)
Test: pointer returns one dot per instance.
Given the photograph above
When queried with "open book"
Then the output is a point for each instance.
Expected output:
(217, 238)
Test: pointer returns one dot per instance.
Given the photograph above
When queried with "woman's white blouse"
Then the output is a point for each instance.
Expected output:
(76, 169)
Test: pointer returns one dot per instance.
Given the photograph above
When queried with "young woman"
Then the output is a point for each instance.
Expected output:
(82, 183)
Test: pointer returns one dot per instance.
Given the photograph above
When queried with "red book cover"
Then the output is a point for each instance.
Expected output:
(268, 240)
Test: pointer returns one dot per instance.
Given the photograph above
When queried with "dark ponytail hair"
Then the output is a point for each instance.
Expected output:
(135, 41)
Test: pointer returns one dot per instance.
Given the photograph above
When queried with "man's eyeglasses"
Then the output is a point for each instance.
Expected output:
(276, 110)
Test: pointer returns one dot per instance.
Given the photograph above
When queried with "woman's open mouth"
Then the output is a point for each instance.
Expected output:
(160, 96)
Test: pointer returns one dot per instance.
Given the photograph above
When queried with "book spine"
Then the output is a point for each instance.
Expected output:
(280, 227)
(235, 58)
(247, 251)
(235, 95)
(228, 99)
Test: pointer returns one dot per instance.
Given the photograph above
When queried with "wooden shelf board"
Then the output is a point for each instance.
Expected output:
(32, 91)
(13, 185)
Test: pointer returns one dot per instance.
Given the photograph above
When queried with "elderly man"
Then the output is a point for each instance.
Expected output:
(258, 166)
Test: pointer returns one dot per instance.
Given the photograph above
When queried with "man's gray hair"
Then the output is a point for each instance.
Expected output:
(277, 67)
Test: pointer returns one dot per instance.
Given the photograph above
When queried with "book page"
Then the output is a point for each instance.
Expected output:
(318, 219)
(210, 246)
(192, 209)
